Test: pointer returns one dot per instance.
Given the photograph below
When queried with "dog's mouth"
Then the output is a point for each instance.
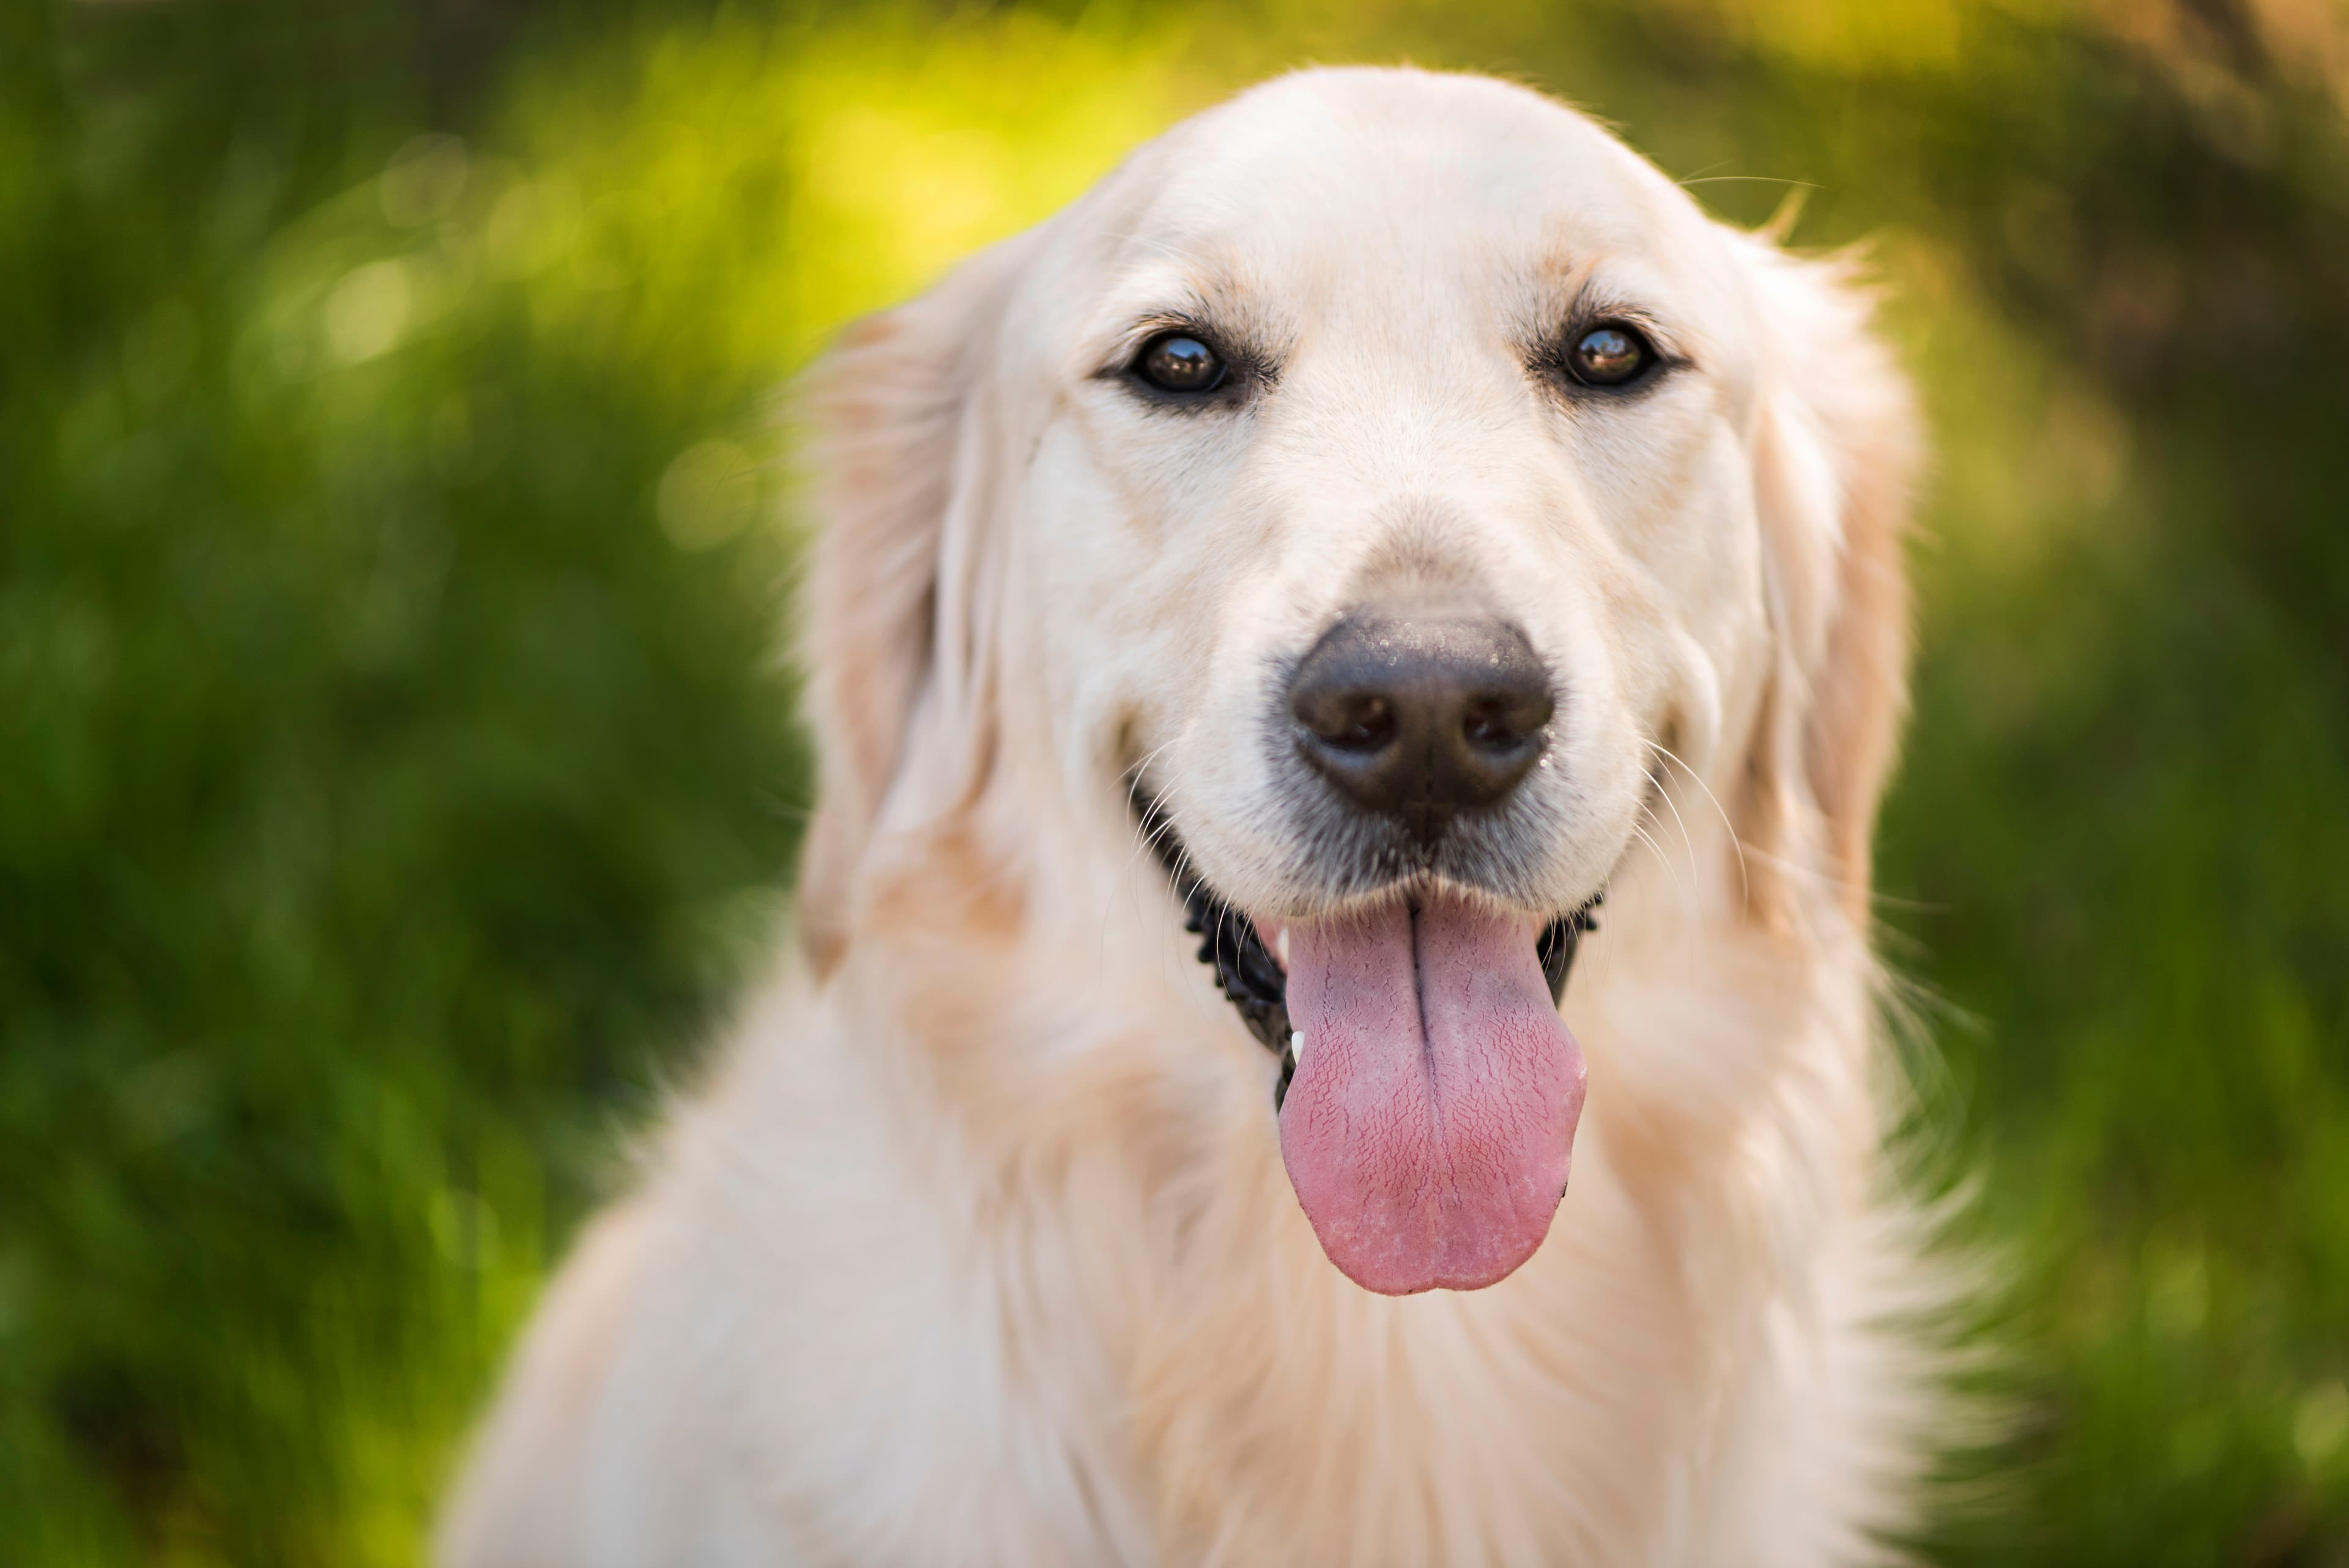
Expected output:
(1428, 1091)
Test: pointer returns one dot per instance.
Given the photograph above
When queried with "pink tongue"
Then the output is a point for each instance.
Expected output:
(1428, 1129)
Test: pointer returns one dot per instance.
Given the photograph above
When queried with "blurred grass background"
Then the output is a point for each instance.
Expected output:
(396, 769)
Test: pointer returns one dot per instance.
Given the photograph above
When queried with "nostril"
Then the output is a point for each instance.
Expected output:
(1365, 723)
(1502, 722)
(1487, 725)
(1348, 719)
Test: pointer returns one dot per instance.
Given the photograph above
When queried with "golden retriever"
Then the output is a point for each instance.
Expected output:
(1380, 519)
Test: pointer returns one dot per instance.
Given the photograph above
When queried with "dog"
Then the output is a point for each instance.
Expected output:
(1330, 1018)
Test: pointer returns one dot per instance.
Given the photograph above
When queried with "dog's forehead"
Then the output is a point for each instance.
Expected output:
(1377, 185)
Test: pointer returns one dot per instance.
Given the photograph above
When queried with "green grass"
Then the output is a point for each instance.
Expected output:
(396, 768)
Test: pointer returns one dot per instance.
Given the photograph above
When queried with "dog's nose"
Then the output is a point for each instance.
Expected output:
(1420, 716)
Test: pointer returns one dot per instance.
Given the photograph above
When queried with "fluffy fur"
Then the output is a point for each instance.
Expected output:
(978, 1248)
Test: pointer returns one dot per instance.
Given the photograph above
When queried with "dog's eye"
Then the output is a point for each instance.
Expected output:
(1610, 354)
(1178, 362)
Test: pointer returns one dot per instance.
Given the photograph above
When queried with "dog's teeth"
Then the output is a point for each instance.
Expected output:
(1281, 946)
(1295, 1046)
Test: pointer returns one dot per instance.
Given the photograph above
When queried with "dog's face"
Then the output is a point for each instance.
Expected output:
(1363, 369)
(1377, 478)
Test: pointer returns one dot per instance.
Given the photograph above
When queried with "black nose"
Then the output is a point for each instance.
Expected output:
(1420, 716)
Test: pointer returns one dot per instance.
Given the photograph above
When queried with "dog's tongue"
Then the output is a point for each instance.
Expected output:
(1428, 1128)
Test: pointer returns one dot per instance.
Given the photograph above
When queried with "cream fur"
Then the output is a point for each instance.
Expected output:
(978, 1249)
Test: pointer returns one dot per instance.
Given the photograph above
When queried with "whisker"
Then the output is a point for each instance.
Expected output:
(1744, 878)
(1749, 179)
(1156, 822)
(1688, 926)
(1665, 861)
(1688, 839)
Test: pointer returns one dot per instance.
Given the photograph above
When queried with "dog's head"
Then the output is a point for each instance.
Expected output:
(1382, 482)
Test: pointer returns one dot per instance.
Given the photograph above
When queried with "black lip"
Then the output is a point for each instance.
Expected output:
(1252, 979)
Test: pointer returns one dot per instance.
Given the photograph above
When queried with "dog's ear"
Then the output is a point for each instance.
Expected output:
(901, 475)
(1836, 448)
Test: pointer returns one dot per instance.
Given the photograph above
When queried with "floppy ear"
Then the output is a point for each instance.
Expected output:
(1835, 450)
(902, 475)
